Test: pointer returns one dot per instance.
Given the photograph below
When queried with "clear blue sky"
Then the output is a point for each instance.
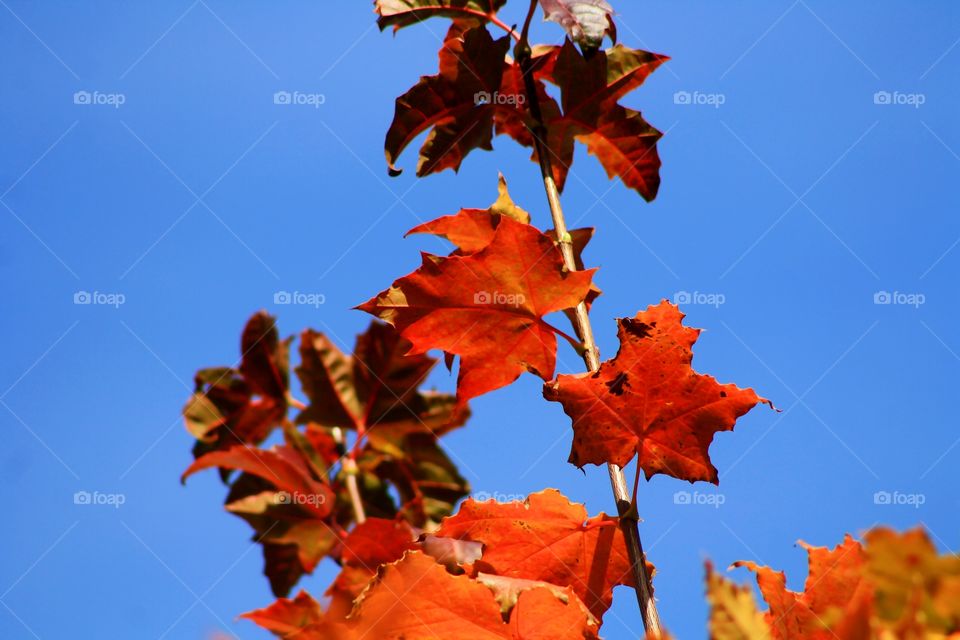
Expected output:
(797, 200)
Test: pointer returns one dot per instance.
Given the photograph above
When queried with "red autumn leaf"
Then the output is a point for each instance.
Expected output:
(894, 585)
(294, 538)
(371, 544)
(402, 13)
(300, 618)
(648, 401)
(242, 406)
(487, 307)
(517, 122)
(620, 138)
(835, 582)
(456, 104)
(281, 466)
(550, 539)
(479, 92)
(265, 365)
(417, 598)
(419, 471)
(286, 616)
(378, 386)
(472, 229)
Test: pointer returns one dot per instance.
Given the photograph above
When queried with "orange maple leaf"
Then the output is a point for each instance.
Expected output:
(487, 307)
(417, 598)
(550, 539)
(648, 401)
(836, 588)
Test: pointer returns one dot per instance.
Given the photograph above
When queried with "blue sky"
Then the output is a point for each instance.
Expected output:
(795, 202)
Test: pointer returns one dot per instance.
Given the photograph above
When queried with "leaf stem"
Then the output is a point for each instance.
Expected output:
(350, 471)
(576, 344)
(626, 504)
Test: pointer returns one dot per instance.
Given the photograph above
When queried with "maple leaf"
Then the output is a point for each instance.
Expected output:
(585, 21)
(487, 307)
(648, 401)
(472, 229)
(294, 539)
(402, 13)
(288, 616)
(479, 92)
(892, 585)
(426, 481)
(913, 582)
(300, 618)
(376, 387)
(456, 104)
(417, 598)
(623, 142)
(733, 611)
(835, 587)
(242, 406)
(281, 466)
(547, 538)
(372, 543)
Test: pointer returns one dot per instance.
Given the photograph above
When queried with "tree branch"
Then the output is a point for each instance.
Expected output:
(626, 506)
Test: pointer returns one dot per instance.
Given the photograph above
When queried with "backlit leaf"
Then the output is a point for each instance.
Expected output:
(648, 401)
(487, 307)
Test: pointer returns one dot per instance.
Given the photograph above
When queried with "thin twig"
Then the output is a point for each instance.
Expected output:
(626, 505)
(350, 471)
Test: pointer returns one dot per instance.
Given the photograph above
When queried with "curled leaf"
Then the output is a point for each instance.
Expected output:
(585, 21)
(550, 539)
